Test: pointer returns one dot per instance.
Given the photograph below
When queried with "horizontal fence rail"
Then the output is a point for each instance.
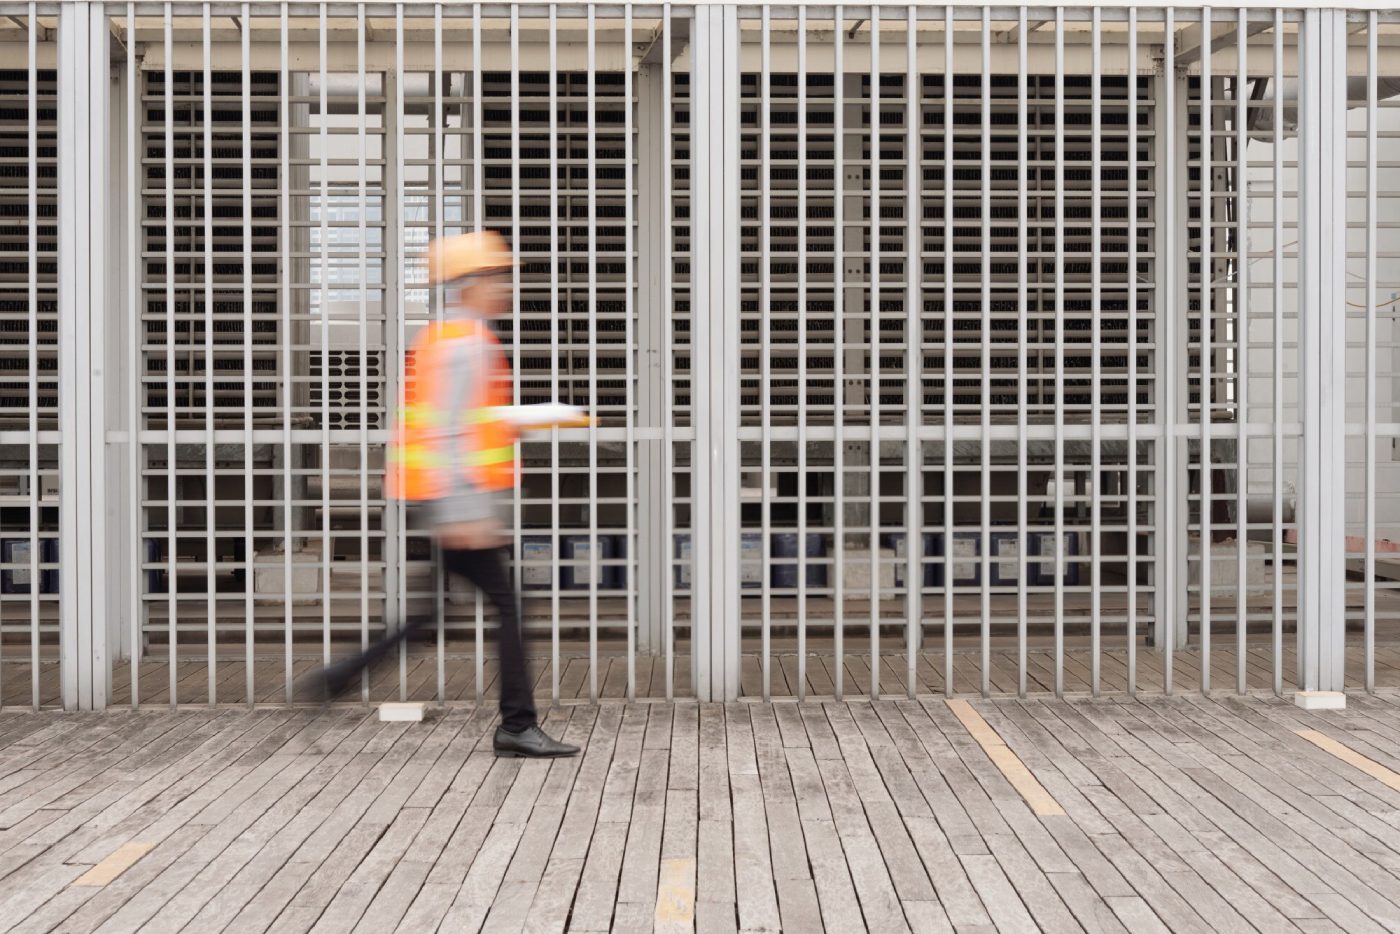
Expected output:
(994, 349)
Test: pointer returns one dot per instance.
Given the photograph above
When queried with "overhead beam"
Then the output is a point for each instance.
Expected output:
(1226, 39)
(680, 37)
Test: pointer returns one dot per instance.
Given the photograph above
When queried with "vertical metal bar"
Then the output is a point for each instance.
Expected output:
(363, 362)
(478, 195)
(1371, 491)
(515, 283)
(170, 458)
(515, 340)
(1168, 366)
(1242, 349)
(801, 353)
(32, 313)
(838, 355)
(248, 556)
(948, 390)
(593, 351)
(210, 544)
(394, 367)
(1278, 355)
(1322, 214)
(631, 565)
(913, 357)
(1096, 371)
(1207, 375)
(874, 324)
(985, 403)
(668, 363)
(326, 546)
(135, 383)
(554, 347)
(1132, 347)
(288, 385)
(1059, 478)
(1023, 328)
(765, 228)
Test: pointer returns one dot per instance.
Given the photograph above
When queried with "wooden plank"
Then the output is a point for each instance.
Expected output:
(831, 876)
(797, 904)
(755, 890)
(786, 844)
(998, 895)
(621, 781)
(479, 888)
(580, 815)
(675, 897)
(554, 896)
(119, 861)
(715, 843)
(641, 861)
(593, 908)
(714, 765)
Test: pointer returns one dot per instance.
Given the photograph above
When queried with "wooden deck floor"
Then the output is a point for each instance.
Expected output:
(1180, 814)
(420, 672)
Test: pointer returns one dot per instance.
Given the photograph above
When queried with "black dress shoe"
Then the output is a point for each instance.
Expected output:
(530, 743)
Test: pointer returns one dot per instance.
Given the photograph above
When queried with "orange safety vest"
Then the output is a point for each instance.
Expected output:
(416, 459)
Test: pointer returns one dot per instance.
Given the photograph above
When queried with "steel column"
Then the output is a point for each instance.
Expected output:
(1322, 351)
(87, 278)
(715, 615)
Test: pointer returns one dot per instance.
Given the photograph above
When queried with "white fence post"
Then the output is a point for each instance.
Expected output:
(88, 277)
(1322, 352)
(715, 179)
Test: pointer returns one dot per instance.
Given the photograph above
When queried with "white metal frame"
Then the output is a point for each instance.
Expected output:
(96, 202)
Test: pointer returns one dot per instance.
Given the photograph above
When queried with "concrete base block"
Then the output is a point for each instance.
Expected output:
(1225, 568)
(269, 577)
(1320, 700)
(856, 571)
(397, 713)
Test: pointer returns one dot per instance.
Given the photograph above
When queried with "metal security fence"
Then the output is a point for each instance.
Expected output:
(294, 162)
(960, 348)
(29, 393)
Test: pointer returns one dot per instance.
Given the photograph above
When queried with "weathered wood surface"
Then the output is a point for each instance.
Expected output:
(419, 676)
(1180, 814)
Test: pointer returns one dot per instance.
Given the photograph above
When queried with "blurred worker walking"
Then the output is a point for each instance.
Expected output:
(453, 453)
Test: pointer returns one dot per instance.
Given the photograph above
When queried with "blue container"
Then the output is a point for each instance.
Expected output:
(535, 565)
(16, 580)
(750, 561)
(962, 563)
(933, 547)
(1005, 559)
(784, 545)
(1041, 568)
(576, 549)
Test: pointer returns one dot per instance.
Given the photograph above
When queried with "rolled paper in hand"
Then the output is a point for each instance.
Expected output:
(545, 415)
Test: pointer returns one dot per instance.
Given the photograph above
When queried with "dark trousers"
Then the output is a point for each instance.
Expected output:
(486, 569)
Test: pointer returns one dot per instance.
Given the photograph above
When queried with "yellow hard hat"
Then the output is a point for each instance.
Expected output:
(467, 254)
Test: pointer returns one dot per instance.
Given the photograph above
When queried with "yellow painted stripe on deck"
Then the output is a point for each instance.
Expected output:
(1351, 757)
(675, 896)
(1012, 768)
(972, 721)
(119, 861)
